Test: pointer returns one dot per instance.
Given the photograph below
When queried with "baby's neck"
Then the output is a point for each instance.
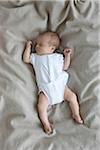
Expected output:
(48, 53)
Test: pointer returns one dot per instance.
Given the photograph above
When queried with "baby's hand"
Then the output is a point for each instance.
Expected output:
(67, 51)
(29, 44)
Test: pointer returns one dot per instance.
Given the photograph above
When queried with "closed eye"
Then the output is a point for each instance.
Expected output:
(39, 44)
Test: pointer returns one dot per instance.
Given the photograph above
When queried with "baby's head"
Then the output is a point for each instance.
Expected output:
(47, 43)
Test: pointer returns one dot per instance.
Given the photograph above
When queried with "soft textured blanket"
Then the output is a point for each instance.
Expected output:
(77, 22)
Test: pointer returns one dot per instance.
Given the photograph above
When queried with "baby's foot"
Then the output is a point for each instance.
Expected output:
(78, 119)
(48, 129)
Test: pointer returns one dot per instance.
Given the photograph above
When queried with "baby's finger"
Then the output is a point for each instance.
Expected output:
(29, 42)
(67, 50)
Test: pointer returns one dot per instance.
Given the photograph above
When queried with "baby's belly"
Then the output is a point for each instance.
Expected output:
(54, 90)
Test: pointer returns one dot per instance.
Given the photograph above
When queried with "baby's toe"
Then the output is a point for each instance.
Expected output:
(78, 119)
(48, 129)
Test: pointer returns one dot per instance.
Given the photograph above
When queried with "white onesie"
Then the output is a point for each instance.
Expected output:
(50, 76)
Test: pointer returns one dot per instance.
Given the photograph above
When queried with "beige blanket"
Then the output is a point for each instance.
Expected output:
(77, 22)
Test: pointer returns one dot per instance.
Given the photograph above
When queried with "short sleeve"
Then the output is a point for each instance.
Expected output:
(32, 58)
(61, 58)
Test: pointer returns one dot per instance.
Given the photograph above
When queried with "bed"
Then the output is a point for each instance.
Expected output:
(77, 23)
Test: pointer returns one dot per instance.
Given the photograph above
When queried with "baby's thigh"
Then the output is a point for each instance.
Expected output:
(42, 99)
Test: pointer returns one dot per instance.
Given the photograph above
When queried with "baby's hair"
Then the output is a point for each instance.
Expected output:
(54, 38)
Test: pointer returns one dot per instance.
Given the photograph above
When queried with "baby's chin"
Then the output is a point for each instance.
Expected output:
(41, 52)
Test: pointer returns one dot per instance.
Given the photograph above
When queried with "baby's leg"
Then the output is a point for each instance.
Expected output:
(42, 112)
(73, 103)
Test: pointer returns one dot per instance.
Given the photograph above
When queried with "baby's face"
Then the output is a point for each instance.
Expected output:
(42, 45)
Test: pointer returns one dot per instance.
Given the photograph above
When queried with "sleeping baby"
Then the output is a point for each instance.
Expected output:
(51, 76)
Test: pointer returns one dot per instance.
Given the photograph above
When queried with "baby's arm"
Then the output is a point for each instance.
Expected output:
(67, 53)
(27, 51)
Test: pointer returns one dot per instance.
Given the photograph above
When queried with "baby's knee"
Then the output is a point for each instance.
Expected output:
(72, 97)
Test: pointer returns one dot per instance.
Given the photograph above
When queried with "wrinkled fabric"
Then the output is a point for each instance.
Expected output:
(77, 23)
